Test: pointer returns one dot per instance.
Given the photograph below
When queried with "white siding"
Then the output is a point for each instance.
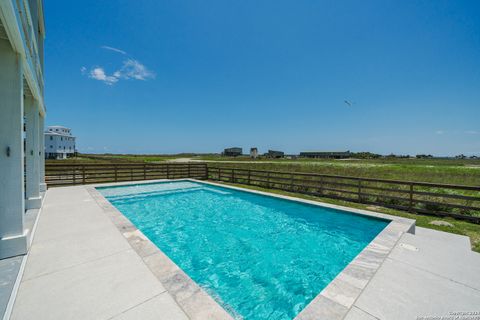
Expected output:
(59, 143)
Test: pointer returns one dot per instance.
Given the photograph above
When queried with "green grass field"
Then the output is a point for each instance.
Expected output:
(455, 172)
(120, 158)
(450, 171)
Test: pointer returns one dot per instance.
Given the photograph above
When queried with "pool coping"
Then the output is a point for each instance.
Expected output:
(333, 302)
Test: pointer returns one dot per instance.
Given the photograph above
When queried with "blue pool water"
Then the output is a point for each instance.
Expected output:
(260, 257)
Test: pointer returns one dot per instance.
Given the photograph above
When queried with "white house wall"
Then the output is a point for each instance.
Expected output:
(22, 33)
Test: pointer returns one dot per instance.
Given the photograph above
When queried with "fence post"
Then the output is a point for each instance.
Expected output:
(249, 173)
(168, 171)
(411, 197)
(74, 173)
(291, 182)
(144, 171)
(83, 174)
(359, 190)
(131, 174)
(116, 173)
(207, 173)
(188, 170)
(268, 179)
(233, 175)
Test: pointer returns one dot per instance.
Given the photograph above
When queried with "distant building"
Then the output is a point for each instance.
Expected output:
(326, 154)
(232, 152)
(274, 154)
(253, 153)
(59, 143)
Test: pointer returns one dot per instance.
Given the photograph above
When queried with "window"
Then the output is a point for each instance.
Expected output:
(51, 138)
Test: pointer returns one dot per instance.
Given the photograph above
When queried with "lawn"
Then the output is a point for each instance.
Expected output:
(106, 158)
(463, 172)
(449, 171)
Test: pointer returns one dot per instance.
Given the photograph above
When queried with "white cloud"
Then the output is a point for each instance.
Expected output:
(439, 132)
(131, 69)
(472, 132)
(99, 74)
(113, 49)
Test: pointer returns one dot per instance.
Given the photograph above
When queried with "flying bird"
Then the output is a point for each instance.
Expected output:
(348, 102)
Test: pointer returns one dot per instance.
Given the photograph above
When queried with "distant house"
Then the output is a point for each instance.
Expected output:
(326, 154)
(59, 143)
(253, 153)
(232, 152)
(274, 154)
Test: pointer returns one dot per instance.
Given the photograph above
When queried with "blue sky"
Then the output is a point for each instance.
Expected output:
(152, 76)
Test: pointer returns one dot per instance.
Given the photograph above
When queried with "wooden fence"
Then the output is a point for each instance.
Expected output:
(73, 174)
(461, 202)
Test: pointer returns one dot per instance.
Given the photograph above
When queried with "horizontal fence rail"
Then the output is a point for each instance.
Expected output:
(460, 202)
(73, 174)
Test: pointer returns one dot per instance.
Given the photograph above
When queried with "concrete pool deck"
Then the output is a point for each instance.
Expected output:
(82, 266)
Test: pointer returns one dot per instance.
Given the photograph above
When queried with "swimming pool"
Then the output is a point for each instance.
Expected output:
(260, 257)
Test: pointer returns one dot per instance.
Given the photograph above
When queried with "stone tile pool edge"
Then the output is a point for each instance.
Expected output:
(333, 302)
